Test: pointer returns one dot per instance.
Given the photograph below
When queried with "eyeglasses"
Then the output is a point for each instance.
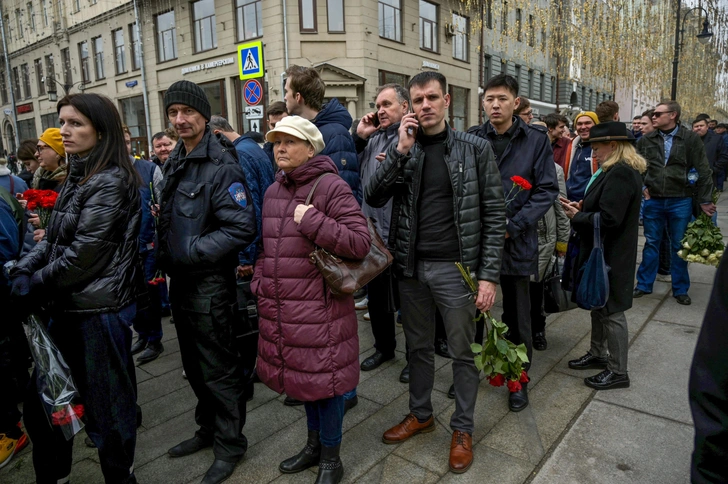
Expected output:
(528, 113)
(40, 148)
(657, 114)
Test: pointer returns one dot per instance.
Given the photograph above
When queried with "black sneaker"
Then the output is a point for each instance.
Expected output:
(683, 299)
(151, 353)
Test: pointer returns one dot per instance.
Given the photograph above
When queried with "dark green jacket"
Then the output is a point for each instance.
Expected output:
(478, 202)
(671, 180)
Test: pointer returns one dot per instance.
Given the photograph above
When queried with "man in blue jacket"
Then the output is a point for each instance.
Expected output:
(524, 151)
(304, 97)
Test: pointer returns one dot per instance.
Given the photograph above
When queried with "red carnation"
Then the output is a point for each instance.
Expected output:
(497, 381)
(524, 377)
(521, 182)
(514, 385)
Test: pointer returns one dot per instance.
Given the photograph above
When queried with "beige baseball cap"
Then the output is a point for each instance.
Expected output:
(301, 128)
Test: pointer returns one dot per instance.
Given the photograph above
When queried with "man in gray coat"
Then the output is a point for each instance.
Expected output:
(375, 133)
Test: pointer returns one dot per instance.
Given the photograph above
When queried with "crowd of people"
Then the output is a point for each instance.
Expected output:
(230, 221)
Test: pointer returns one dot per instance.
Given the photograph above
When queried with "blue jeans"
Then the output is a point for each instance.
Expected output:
(327, 417)
(675, 213)
(97, 348)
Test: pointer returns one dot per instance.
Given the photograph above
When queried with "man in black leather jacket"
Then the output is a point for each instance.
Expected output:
(448, 206)
(206, 218)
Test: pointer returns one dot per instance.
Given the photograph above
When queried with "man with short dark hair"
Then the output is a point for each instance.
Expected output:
(375, 133)
(520, 150)
(712, 124)
(205, 221)
(555, 124)
(162, 147)
(607, 111)
(715, 148)
(275, 112)
(672, 153)
(304, 97)
(637, 126)
(524, 110)
(449, 197)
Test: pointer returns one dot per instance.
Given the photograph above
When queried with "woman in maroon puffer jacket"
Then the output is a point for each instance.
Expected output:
(309, 346)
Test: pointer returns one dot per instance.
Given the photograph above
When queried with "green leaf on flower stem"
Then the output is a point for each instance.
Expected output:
(479, 364)
(487, 369)
(498, 366)
(522, 352)
(511, 355)
(476, 348)
(502, 346)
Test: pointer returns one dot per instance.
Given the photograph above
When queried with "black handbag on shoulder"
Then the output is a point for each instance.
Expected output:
(556, 299)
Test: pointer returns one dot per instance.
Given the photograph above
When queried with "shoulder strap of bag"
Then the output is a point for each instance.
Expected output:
(597, 230)
(12, 186)
(313, 188)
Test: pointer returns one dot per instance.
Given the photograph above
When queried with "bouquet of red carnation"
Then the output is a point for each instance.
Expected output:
(41, 202)
(58, 393)
(520, 183)
(500, 359)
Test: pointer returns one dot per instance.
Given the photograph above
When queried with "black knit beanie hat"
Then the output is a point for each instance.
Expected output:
(189, 94)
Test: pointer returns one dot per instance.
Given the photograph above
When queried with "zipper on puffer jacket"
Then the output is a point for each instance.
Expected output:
(278, 299)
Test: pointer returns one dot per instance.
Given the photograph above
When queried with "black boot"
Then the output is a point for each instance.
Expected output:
(517, 401)
(218, 472)
(308, 457)
(331, 470)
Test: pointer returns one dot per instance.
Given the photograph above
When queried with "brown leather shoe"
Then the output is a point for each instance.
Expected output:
(461, 452)
(410, 426)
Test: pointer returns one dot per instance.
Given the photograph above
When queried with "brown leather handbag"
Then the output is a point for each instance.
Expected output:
(345, 276)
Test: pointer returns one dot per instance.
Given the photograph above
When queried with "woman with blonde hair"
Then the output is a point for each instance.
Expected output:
(614, 192)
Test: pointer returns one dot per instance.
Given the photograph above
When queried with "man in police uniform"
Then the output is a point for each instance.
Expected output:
(206, 218)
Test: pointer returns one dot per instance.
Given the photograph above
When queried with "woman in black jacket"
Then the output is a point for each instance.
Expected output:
(87, 271)
(614, 192)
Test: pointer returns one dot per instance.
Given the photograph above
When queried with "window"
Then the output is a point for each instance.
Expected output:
(19, 23)
(6, 21)
(83, 55)
(250, 19)
(66, 66)
(25, 73)
(50, 68)
(504, 19)
(203, 25)
(517, 75)
(132, 113)
(31, 16)
(49, 121)
(531, 31)
(553, 90)
(136, 47)
(489, 14)
(519, 25)
(530, 84)
(98, 44)
(487, 69)
(542, 87)
(44, 7)
(390, 19)
(39, 81)
(16, 83)
(76, 6)
(26, 129)
(459, 108)
(386, 77)
(119, 50)
(335, 12)
(460, 37)
(307, 15)
(428, 26)
(3, 89)
(166, 37)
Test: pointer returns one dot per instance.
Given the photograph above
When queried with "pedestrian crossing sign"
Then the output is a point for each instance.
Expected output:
(250, 60)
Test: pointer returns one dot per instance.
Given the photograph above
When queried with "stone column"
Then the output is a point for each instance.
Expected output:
(351, 106)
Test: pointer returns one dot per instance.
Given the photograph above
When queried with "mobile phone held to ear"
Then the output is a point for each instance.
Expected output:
(410, 131)
(375, 120)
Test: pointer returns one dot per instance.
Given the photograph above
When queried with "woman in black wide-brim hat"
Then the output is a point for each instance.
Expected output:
(614, 192)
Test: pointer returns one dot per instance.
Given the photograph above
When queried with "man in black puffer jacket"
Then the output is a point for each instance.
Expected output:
(448, 206)
(521, 151)
(206, 219)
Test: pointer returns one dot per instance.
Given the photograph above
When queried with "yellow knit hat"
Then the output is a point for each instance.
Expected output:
(52, 137)
(590, 114)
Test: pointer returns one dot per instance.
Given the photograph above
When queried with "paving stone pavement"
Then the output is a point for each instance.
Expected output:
(568, 434)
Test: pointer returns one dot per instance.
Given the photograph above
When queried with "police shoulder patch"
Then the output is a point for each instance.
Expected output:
(237, 191)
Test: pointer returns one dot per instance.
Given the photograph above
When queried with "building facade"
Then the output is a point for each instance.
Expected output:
(62, 46)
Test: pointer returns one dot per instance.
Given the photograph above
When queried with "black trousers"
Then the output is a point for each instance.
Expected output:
(517, 311)
(9, 414)
(97, 348)
(538, 318)
(382, 318)
(205, 316)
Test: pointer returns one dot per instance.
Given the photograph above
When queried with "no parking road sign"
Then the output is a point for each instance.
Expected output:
(252, 92)
(250, 60)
